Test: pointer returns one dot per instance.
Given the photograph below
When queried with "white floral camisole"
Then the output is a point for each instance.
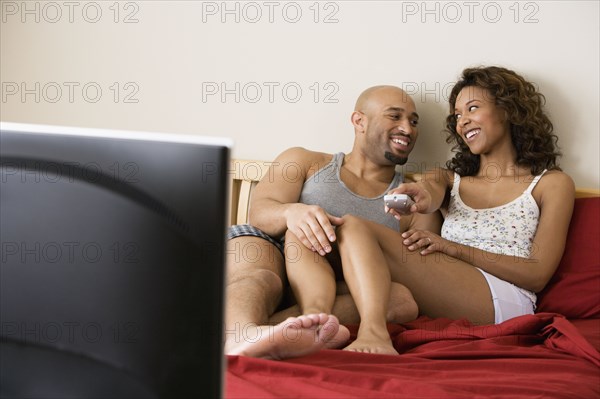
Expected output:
(507, 229)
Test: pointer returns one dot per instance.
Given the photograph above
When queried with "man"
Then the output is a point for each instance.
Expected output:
(291, 198)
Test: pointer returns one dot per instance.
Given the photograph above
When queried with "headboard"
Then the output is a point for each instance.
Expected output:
(244, 176)
(246, 173)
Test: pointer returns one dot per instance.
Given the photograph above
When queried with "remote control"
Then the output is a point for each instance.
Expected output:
(399, 202)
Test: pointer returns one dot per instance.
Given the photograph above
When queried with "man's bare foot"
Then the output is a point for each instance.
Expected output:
(296, 336)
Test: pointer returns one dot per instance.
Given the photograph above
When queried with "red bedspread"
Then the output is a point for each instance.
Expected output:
(542, 355)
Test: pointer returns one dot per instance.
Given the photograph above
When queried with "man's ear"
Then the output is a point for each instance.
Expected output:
(359, 121)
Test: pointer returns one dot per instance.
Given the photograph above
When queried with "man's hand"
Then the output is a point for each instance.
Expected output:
(313, 226)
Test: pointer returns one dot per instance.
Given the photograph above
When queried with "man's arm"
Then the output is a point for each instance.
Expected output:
(275, 208)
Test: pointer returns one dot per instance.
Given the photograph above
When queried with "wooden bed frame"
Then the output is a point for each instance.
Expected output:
(245, 174)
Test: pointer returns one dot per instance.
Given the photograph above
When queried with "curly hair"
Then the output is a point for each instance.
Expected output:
(530, 128)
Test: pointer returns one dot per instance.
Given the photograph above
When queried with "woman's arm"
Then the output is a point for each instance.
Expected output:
(428, 193)
(555, 195)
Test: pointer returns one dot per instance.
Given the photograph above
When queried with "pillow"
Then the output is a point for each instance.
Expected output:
(574, 290)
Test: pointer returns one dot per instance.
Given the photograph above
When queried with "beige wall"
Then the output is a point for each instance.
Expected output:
(275, 74)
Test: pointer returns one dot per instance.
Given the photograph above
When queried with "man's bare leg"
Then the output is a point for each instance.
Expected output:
(255, 277)
(255, 273)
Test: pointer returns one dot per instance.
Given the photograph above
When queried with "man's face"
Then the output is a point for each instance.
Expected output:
(390, 125)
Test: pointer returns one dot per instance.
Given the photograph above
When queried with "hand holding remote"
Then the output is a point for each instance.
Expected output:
(401, 203)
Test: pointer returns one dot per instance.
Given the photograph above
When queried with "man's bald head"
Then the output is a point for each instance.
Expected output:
(385, 122)
(376, 95)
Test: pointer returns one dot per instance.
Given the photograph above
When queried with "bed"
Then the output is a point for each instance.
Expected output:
(553, 353)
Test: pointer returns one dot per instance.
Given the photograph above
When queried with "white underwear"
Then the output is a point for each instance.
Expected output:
(509, 301)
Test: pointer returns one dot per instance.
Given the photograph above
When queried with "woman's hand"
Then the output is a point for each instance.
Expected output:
(425, 241)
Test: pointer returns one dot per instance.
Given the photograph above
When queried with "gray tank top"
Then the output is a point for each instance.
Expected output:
(326, 189)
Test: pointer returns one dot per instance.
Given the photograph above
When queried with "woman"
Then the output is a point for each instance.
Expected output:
(508, 211)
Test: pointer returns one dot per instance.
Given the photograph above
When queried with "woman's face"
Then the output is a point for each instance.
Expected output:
(479, 121)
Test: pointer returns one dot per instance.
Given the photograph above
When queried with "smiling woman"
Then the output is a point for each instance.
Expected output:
(520, 107)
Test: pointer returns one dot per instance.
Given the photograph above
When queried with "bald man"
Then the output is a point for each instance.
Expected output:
(305, 194)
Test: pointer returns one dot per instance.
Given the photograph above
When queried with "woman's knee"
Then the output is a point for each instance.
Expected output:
(352, 220)
(352, 225)
(290, 237)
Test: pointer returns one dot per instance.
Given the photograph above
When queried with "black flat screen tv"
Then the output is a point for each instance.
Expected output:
(112, 269)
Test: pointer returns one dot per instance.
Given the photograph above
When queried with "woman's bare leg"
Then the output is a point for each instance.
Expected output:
(310, 276)
(369, 283)
(441, 285)
(402, 307)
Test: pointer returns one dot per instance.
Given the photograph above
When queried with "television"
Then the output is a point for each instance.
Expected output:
(112, 269)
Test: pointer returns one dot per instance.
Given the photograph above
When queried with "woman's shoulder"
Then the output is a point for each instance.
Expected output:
(555, 183)
(558, 177)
